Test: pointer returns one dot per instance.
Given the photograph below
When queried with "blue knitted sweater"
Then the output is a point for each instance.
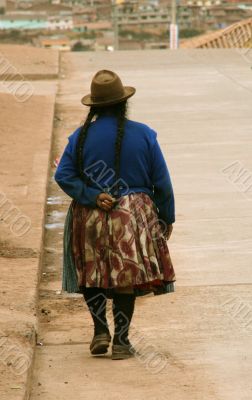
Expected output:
(143, 168)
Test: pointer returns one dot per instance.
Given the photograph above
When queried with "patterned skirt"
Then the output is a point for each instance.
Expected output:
(124, 247)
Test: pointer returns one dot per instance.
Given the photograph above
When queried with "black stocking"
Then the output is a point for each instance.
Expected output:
(123, 309)
(96, 301)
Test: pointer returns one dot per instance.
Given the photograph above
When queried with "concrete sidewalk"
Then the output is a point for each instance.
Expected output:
(200, 104)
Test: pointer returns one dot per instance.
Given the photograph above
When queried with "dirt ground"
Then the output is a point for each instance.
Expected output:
(28, 62)
(25, 132)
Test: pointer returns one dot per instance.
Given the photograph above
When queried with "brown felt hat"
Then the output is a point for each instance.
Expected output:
(107, 89)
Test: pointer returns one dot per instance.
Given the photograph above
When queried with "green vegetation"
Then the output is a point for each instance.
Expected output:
(88, 35)
(162, 36)
(135, 35)
(14, 36)
(78, 46)
(187, 33)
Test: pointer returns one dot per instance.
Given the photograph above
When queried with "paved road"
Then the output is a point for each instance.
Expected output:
(200, 104)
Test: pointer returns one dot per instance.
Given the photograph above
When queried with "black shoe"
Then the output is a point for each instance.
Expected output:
(123, 351)
(100, 343)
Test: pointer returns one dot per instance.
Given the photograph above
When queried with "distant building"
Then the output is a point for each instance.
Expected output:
(23, 22)
(191, 14)
(24, 4)
(61, 42)
(36, 21)
(84, 26)
(92, 3)
(60, 22)
(104, 43)
(131, 15)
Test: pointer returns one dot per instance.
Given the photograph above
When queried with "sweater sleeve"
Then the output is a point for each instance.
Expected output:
(162, 186)
(67, 178)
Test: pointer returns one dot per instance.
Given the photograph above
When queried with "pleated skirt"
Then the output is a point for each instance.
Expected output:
(122, 248)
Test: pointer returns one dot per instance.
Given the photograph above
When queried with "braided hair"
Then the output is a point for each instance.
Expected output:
(121, 118)
(120, 111)
(80, 144)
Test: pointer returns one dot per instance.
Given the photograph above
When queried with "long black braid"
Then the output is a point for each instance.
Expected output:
(120, 111)
(121, 117)
(80, 144)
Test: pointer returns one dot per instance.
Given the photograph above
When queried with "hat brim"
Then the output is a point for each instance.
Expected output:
(128, 92)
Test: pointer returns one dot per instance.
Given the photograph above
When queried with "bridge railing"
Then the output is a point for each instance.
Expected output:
(235, 36)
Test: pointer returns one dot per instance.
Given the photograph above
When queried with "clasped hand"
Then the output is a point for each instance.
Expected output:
(106, 202)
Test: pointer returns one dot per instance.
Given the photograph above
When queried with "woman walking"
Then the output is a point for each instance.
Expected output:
(121, 214)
